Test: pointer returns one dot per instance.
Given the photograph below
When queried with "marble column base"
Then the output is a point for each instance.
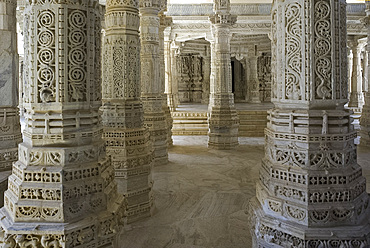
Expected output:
(10, 137)
(96, 231)
(171, 102)
(136, 189)
(155, 120)
(169, 121)
(356, 100)
(132, 160)
(271, 232)
(223, 125)
(3, 185)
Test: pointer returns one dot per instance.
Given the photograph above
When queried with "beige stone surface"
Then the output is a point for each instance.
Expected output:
(201, 195)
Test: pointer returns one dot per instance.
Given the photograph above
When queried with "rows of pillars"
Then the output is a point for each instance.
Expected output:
(61, 188)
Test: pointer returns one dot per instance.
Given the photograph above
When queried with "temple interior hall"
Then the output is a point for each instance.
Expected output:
(184, 124)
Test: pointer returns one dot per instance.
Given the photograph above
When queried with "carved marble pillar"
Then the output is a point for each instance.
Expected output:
(164, 23)
(245, 64)
(223, 120)
(365, 71)
(10, 131)
(350, 67)
(356, 99)
(206, 76)
(311, 192)
(253, 83)
(20, 17)
(61, 188)
(175, 47)
(151, 85)
(168, 60)
(365, 116)
(127, 139)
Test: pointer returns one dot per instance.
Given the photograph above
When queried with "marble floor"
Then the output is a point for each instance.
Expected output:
(201, 196)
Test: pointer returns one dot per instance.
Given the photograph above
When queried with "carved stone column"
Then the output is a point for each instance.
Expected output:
(175, 60)
(311, 192)
(151, 86)
(207, 73)
(10, 130)
(127, 139)
(365, 71)
(253, 83)
(168, 61)
(61, 188)
(356, 99)
(20, 17)
(350, 68)
(365, 116)
(223, 120)
(164, 23)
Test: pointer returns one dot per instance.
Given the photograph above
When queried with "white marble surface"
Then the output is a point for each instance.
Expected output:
(201, 196)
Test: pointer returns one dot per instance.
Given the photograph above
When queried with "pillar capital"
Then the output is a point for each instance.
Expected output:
(154, 5)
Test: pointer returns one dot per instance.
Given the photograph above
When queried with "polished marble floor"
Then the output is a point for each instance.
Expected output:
(201, 196)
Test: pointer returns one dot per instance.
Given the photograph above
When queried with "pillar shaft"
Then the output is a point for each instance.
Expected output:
(206, 73)
(174, 62)
(10, 131)
(59, 189)
(164, 23)
(223, 120)
(365, 72)
(151, 85)
(168, 73)
(254, 96)
(356, 99)
(127, 139)
(311, 192)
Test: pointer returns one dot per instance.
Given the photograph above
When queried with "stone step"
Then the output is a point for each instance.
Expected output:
(252, 123)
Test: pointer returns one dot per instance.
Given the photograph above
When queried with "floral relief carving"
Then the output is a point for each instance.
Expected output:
(293, 46)
(46, 56)
(323, 50)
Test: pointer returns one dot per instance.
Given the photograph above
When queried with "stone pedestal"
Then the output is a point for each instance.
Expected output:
(311, 192)
(151, 87)
(127, 139)
(223, 120)
(60, 190)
